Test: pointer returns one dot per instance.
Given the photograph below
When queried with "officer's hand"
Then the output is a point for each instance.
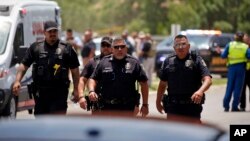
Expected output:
(144, 110)
(93, 96)
(197, 97)
(16, 88)
(83, 103)
(159, 107)
(136, 110)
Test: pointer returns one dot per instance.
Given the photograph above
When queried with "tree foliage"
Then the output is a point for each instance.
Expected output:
(155, 16)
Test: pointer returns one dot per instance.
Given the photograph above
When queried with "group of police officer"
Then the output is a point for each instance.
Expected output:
(111, 78)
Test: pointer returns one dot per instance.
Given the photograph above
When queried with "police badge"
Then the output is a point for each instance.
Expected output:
(189, 64)
(127, 66)
(59, 53)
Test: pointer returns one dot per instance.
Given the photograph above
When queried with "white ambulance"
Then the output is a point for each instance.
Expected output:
(21, 24)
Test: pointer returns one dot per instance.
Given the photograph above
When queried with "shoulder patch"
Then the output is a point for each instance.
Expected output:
(203, 63)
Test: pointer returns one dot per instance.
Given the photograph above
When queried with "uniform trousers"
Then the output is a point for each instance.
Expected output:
(116, 109)
(243, 94)
(235, 81)
(184, 111)
(51, 101)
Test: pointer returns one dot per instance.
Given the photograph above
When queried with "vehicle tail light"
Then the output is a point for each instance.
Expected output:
(22, 12)
(3, 72)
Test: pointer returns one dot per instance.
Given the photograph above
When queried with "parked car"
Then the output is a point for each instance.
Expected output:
(204, 43)
(107, 128)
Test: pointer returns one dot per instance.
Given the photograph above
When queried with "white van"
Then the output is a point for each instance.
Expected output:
(21, 24)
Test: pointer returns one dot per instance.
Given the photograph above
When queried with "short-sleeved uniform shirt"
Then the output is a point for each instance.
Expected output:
(69, 56)
(184, 76)
(90, 66)
(117, 77)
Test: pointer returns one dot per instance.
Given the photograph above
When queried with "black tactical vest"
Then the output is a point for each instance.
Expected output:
(183, 76)
(49, 67)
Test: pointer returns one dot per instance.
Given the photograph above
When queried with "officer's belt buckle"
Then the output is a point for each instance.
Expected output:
(113, 101)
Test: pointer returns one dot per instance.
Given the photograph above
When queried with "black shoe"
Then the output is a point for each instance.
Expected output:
(242, 109)
(236, 110)
(226, 109)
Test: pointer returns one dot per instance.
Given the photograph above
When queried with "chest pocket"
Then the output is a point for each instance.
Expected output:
(108, 75)
(127, 75)
(41, 67)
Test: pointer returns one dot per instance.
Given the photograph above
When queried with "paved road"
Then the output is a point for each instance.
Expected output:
(212, 113)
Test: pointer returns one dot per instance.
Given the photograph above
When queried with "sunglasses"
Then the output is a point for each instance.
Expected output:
(181, 45)
(105, 45)
(119, 47)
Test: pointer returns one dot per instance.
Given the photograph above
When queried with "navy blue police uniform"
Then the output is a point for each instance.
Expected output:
(90, 67)
(184, 77)
(50, 74)
(117, 82)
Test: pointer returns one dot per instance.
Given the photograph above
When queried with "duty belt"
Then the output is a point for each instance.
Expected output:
(119, 101)
(180, 101)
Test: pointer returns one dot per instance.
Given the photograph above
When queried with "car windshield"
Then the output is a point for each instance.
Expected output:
(4, 33)
(199, 41)
(168, 42)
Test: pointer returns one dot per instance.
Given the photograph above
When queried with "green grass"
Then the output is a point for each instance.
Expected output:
(219, 81)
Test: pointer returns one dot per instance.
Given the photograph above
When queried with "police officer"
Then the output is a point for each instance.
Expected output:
(89, 69)
(186, 77)
(52, 60)
(237, 53)
(116, 74)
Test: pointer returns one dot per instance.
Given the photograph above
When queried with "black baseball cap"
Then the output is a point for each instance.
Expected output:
(239, 34)
(107, 39)
(50, 25)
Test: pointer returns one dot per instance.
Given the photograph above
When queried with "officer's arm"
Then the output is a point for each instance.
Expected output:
(225, 52)
(20, 73)
(144, 91)
(81, 86)
(75, 77)
(207, 82)
(91, 84)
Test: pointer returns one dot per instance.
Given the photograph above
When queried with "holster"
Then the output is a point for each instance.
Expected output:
(32, 89)
(88, 103)
(165, 101)
(94, 106)
(138, 97)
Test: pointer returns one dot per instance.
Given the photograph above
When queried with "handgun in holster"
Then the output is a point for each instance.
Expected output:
(32, 89)
(165, 101)
(88, 103)
(94, 105)
(138, 97)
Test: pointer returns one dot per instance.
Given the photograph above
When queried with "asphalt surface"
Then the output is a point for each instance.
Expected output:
(213, 112)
